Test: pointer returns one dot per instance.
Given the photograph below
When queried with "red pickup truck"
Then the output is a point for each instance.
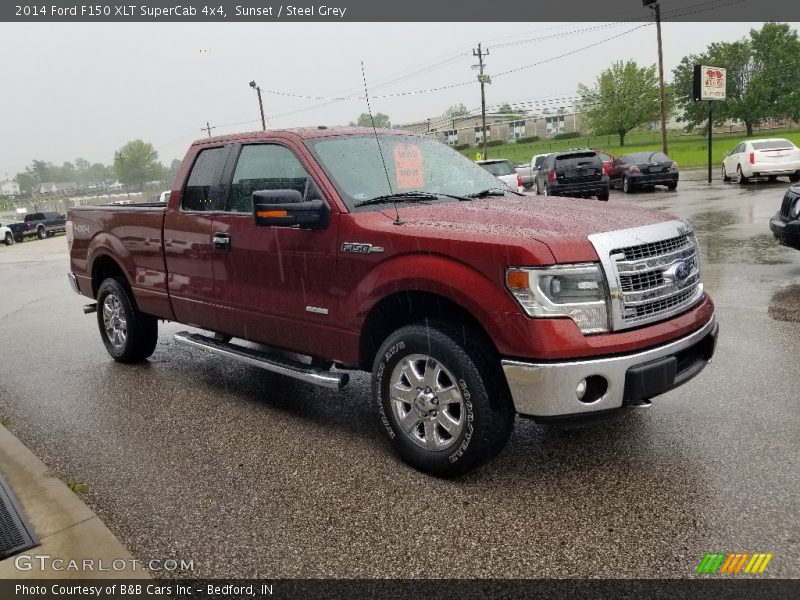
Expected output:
(312, 252)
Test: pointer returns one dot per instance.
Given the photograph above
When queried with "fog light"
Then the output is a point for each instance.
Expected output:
(580, 391)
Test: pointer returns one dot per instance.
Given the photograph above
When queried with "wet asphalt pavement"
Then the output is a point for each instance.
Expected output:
(196, 457)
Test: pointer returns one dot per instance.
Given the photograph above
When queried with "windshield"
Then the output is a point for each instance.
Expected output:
(498, 168)
(414, 164)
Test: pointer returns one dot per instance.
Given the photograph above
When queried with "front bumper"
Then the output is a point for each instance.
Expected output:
(549, 389)
(786, 232)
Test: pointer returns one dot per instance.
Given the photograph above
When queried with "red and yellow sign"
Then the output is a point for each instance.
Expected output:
(408, 166)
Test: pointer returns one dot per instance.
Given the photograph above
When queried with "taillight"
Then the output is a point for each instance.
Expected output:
(519, 181)
(551, 176)
(752, 158)
(635, 169)
(674, 166)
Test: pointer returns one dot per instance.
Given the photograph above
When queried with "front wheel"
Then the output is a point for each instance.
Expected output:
(794, 178)
(128, 335)
(9, 239)
(725, 177)
(41, 233)
(443, 403)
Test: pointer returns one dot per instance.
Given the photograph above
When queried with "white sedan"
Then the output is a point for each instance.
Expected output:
(769, 158)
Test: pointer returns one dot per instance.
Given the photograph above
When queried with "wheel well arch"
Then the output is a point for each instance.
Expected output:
(104, 267)
(403, 308)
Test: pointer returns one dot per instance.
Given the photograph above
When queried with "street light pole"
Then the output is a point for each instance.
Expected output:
(260, 105)
(656, 7)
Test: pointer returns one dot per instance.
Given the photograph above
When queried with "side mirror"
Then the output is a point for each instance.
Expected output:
(286, 208)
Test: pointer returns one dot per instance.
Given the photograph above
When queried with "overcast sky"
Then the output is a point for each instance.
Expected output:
(84, 90)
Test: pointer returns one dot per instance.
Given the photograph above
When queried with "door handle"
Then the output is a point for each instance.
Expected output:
(221, 241)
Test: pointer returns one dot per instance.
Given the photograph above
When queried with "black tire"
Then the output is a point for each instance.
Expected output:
(9, 239)
(41, 233)
(604, 195)
(627, 186)
(740, 178)
(485, 413)
(725, 177)
(141, 331)
(19, 238)
(672, 187)
(794, 178)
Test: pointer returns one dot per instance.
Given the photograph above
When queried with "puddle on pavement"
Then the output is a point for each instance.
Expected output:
(720, 246)
(785, 304)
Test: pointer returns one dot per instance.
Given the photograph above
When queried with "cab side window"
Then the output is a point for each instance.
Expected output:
(265, 167)
(197, 195)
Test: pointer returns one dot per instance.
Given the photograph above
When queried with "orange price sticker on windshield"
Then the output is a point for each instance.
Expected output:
(408, 166)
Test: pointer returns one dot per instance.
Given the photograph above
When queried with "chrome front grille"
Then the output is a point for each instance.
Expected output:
(653, 272)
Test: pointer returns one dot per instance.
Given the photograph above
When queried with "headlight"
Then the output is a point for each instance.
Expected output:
(794, 209)
(574, 291)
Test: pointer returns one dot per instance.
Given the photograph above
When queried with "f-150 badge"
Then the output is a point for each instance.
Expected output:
(360, 248)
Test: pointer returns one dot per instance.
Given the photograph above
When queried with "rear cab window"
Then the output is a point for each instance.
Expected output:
(501, 167)
(576, 160)
(203, 179)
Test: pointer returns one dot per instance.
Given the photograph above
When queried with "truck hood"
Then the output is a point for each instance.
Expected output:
(562, 224)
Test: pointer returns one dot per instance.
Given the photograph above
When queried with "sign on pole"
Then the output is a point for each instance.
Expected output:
(709, 83)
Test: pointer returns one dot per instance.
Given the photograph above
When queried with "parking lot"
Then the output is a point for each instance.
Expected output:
(248, 474)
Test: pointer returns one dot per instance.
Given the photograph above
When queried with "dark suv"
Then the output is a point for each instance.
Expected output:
(785, 225)
(576, 173)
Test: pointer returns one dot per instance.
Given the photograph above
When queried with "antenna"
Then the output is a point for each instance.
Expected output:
(397, 220)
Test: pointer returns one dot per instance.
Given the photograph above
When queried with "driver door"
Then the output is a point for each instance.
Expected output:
(275, 284)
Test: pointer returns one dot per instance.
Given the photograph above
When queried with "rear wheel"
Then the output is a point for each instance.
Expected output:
(740, 178)
(603, 195)
(128, 335)
(41, 233)
(794, 178)
(672, 186)
(441, 400)
(627, 186)
(9, 239)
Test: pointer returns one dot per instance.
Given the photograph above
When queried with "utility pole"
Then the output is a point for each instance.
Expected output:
(656, 7)
(483, 79)
(260, 105)
(207, 128)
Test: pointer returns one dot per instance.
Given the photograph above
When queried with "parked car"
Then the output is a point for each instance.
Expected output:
(504, 171)
(469, 303)
(39, 224)
(525, 174)
(163, 197)
(577, 173)
(785, 225)
(643, 170)
(608, 160)
(6, 235)
(770, 158)
(536, 163)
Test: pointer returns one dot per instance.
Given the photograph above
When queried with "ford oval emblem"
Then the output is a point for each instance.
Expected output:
(682, 271)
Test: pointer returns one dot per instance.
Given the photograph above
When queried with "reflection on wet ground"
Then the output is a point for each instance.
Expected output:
(785, 304)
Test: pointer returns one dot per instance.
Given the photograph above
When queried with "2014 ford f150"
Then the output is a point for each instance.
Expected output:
(392, 253)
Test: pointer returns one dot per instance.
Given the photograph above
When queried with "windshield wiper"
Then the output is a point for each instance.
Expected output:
(496, 191)
(411, 197)
(398, 197)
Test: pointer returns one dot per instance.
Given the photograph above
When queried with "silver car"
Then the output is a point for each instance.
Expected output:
(504, 171)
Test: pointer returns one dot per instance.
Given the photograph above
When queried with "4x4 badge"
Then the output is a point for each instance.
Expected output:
(360, 248)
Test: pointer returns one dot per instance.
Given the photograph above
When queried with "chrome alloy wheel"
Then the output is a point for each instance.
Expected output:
(427, 402)
(116, 325)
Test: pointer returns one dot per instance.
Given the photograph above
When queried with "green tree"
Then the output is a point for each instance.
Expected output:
(457, 110)
(624, 96)
(381, 120)
(27, 182)
(137, 163)
(762, 71)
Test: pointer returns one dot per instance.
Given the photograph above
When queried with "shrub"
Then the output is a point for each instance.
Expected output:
(460, 147)
(492, 143)
(528, 140)
(569, 135)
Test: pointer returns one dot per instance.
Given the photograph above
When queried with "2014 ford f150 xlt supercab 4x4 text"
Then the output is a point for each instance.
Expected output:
(392, 253)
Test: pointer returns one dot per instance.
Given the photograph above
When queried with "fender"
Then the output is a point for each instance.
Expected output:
(480, 296)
